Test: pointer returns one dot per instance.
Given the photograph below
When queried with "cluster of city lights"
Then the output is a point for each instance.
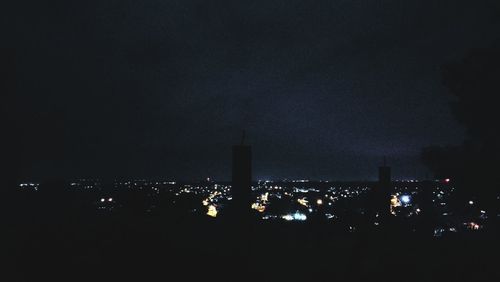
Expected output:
(297, 216)
(302, 200)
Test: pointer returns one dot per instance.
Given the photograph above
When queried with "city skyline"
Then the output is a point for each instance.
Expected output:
(232, 140)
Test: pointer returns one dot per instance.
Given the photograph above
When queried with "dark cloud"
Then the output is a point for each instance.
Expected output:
(163, 88)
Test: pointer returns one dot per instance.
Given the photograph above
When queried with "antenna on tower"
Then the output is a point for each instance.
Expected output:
(243, 138)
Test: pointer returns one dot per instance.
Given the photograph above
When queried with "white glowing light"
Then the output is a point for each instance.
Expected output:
(299, 216)
(329, 216)
(405, 199)
(296, 216)
(103, 200)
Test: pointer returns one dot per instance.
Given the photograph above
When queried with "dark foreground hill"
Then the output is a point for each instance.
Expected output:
(72, 247)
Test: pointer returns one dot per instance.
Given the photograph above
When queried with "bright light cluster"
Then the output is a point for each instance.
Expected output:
(296, 216)
(212, 211)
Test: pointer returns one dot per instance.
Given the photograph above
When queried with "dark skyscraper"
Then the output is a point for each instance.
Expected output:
(242, 179)
(384, 174)
(383, 190)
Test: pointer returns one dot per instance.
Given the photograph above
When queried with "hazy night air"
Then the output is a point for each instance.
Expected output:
(324, 89)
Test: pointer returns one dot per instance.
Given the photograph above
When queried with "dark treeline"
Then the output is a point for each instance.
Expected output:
(474, 83)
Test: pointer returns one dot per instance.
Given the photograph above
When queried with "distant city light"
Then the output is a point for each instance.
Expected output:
(303, 202)
(471, 202)
(405, 199)
(103, 200)
(395, 202)
(473, 226)
(296, 216)
(110, 199)
(259, 207)
(319, 202)
(299, 216)
(265, 197)
(212, 211)
(33, 186)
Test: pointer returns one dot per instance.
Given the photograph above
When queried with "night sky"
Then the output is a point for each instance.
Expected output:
(324, 89)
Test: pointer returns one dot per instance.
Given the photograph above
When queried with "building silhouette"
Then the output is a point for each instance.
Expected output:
(384, 174)
(242, 180)
(382, 191)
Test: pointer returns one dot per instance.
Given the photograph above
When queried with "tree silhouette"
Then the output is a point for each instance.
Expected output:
(9, 165)
(474, 83)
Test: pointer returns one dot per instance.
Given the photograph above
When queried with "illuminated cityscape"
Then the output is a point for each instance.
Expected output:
(284, 140)
(337, 203)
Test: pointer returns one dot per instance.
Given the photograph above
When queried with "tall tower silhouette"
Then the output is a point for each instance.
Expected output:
(242, 179)
(382, 191)
(384, 174)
